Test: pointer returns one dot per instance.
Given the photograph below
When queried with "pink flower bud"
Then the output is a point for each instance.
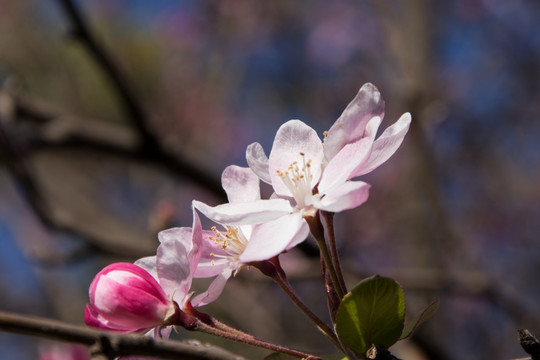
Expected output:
(126, 298)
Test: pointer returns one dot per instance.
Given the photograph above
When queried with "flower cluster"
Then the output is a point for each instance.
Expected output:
(309, 177)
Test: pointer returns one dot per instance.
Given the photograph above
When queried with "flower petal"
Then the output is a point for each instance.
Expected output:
(258, 161)
(127, 274)
(386, 144)
(210, 265)
(177, 258)
(254, 212)
(241, 184)
(128, 306)
(148, 263)
(272, 238)
(349, 127)
(92, 319)
(351, 157)
(214, 290)
(157, 333)
(293, 139)
(174, 269)
(182, 234)
(346, 196)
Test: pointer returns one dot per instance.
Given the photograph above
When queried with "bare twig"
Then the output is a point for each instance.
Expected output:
(150, 148)
(59, 129)
(50, 128)
(111, 344)
(82, 33)
(9, 155)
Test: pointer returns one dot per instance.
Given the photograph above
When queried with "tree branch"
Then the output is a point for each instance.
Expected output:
(28, 126)
(529, 343)
(111, 344)
(127, 100)
(150, 148)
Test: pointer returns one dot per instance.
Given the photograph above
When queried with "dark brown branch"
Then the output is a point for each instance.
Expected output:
(9, 155)
(57, 129)
(27, 126)
(82, 33)
(150, 147)
(529, 343)
(111, 344)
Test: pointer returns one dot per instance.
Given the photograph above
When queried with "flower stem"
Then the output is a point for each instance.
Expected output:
(272, 268)
(329, 220)
(317, 231)
(249, 339)
(213, 322)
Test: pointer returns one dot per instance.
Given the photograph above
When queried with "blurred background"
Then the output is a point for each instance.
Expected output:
(93, 165)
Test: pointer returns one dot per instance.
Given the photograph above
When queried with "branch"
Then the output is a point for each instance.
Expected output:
(529, 343)
(56, 128)
(127, 100)
(28, 126)
(151, 148)
(111, 344)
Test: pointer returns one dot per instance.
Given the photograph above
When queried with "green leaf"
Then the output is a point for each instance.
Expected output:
(414, 323)
(371, 313)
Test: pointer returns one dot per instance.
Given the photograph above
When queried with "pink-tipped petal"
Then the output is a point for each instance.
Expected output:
(351, 157)
(295, 142)
(254, 212)
(127, 274)
(129, 306)
(258, 161)
(344, 197)
(91, 318)
(124, 297)
(214, 290)
(386, 144)
(349, 127)
(272, 238)
(241, 184)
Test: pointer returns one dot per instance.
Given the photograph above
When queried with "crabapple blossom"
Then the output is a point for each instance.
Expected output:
(126, 298)
(225, 251)
(148, 294)
(317, 174)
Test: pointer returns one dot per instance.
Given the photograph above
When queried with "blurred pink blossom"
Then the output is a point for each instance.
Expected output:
(61, 351)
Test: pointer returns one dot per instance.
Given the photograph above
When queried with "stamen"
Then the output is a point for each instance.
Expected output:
(298, 180)
(233, 243)
(325, 134)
